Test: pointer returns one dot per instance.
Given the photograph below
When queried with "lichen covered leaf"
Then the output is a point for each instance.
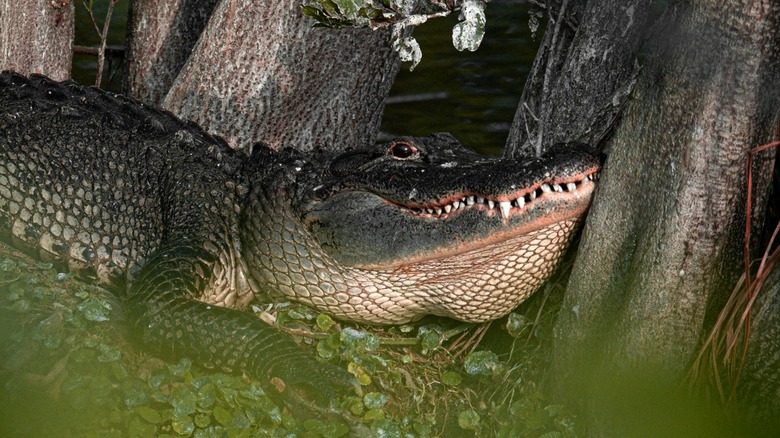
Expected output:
(467, 35)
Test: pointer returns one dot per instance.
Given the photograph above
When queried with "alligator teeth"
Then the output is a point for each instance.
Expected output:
(505, 206)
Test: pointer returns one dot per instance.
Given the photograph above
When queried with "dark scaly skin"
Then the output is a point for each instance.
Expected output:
(189, 230)
(180, 201)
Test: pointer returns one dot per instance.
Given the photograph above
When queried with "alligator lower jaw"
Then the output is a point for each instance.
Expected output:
(505, 205)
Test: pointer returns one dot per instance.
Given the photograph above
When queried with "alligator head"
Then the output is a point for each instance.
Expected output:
(419, 226)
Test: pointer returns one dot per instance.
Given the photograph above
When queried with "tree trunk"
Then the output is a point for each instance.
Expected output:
(261, 72)
(759, 392)
(664, 236)
(36, 36)
(161, 35)
(582, 75)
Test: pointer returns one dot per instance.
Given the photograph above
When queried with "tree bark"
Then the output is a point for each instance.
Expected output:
(582, 74)
(664, 237)
(36, 36)
(161, 36)
(261, 72)
(759, 391)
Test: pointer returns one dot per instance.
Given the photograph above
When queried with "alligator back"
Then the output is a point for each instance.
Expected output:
(95, 180)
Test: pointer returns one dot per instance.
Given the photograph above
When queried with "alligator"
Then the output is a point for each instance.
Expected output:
(188, 232)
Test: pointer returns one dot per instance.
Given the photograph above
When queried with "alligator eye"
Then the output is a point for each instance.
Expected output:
(402, 150)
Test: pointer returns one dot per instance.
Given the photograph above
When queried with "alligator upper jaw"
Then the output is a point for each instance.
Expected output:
(506, 204)
(363, 230)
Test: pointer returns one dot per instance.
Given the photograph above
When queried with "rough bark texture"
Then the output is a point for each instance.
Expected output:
(582, 74)
(36, 36)
(664, 235)
(162, 34)
(261, 72)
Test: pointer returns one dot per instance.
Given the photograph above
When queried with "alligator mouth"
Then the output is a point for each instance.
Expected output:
(506, 205)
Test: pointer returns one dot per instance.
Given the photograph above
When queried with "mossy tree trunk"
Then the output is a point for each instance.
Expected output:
(36, 36)
(662, 246)
(261, 72)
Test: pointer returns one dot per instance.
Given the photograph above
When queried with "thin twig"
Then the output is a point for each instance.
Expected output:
(103, 40)
(103, 35)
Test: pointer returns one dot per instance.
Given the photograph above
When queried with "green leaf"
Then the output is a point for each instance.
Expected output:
(430, 340)
(183, 426)
(182, 400)
(467, 35)
(348, 8)
(468, 419)
(108, 353)
(94, 309)
(386, 428)
(140, 429)
(373, 414)
(150, 415)
(324, 322)
(202, 420)
(516, 324)
(481, 363)
(374, 400)
(360, 374)
(222, 415)
(207, 395)
(451, 378)
(181, 368)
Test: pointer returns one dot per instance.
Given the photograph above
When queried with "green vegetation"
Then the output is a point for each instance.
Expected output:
(70, 368)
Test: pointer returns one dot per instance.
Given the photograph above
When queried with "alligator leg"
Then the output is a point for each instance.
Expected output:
(170, 322)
